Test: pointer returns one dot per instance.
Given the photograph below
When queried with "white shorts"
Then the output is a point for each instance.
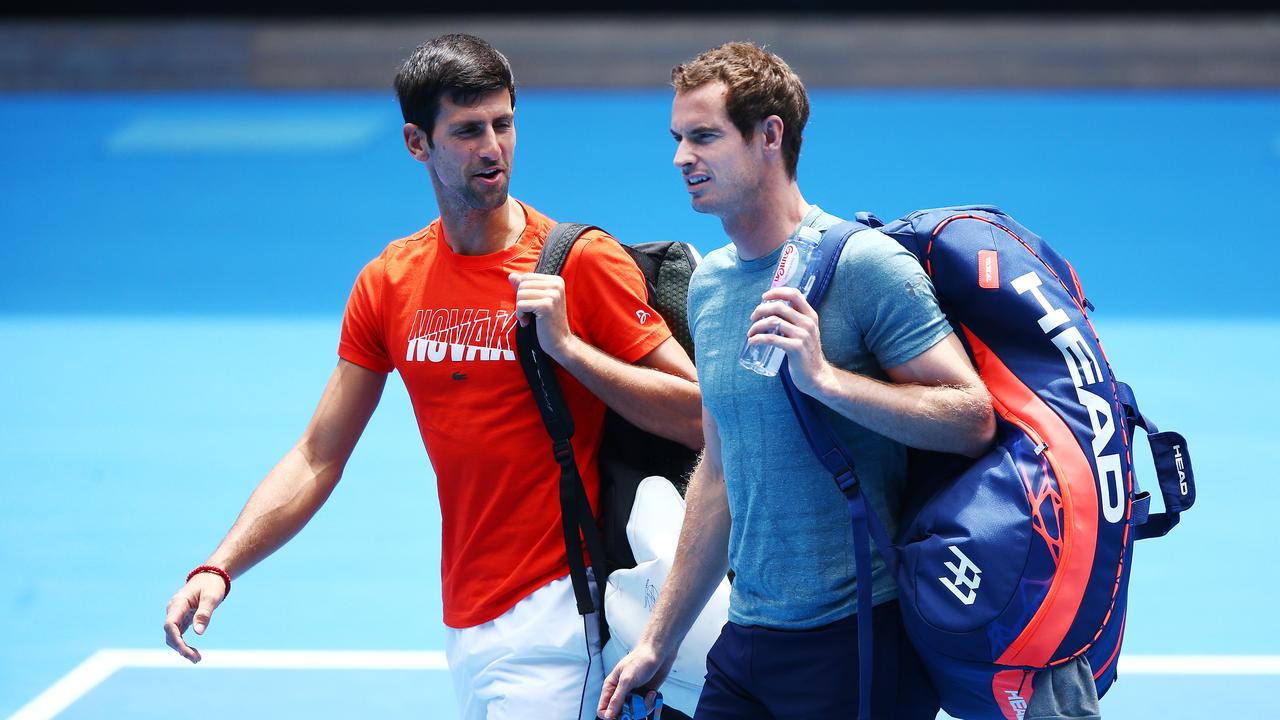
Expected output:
(539, 659)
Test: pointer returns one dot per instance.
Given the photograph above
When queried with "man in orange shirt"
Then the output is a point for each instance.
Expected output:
(440, 306)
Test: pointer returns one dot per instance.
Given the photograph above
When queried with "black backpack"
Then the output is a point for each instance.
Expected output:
(627, 453)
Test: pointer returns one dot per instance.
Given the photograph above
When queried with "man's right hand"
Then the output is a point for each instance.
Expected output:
(641, 669)
(285, 500)
(192, 606)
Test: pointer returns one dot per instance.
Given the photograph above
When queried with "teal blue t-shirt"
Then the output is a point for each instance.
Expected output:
(790, 542)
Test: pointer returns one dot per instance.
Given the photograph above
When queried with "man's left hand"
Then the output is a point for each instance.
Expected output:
(792, 325)
(542, 296)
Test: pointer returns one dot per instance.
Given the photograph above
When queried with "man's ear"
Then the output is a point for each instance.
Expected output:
(771, 128)
(415, 141)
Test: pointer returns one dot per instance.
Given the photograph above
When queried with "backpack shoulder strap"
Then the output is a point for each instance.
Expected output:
(822, 438)
(539, 370)
(838, 460)
(555, 250)
(829, 249)
(537, 365)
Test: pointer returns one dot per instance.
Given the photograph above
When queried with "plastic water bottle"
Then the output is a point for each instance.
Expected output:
(798, 268)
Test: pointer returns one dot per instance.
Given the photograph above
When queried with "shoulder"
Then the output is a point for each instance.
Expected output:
(597, 252)
(597, 243)
(407, 256)
(718, 261)
(869, 245)
(591, 248)
(870, 255)
(708, 275)
(414, 242)
(539, 224)
(889, 297)
(601, 267)
(408, 248)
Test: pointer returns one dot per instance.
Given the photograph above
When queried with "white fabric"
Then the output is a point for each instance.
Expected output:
(630, 595)
(532, 661)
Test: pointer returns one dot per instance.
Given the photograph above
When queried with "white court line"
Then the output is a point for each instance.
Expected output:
(70, 688)
(102, 664)
(1199, 665)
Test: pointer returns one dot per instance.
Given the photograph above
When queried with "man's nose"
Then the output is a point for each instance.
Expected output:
(683, 155)
(489, 148)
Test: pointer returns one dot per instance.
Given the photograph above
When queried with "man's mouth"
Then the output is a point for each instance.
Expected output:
(490, 174)
(696, 179)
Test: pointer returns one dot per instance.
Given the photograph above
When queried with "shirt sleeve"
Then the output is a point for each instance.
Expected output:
(363, 341)
(608, 300)
(892, 299)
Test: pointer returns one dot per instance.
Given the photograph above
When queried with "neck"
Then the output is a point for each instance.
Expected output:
(763, 225)
(469, 231)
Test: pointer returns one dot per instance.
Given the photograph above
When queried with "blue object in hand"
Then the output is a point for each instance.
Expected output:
(635, 707)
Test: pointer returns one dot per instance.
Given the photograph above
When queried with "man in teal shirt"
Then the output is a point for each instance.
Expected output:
(883, 361)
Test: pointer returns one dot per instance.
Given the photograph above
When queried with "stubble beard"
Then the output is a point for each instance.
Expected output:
(472, 197)
(717, 204)
(486, 198)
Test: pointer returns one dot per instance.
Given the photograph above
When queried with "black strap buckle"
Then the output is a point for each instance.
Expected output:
(562, 450)
(848, 482)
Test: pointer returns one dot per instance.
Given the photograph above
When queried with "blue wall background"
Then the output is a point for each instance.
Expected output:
(269, 204)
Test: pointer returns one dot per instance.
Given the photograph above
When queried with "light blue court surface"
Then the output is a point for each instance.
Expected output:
(174, 271)
(352, 693)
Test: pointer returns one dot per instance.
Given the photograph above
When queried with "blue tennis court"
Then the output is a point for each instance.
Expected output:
(174, 271)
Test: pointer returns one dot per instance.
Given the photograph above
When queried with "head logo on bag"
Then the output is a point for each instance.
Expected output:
(1083, 367)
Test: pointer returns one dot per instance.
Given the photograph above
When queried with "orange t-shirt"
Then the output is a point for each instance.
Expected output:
(446, 322)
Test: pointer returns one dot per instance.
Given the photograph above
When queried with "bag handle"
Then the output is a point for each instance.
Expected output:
(1173, 472)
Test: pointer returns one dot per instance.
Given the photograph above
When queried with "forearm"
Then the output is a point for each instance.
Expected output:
(664, 404)
(702, 559)
(286, 499)
(946, 418)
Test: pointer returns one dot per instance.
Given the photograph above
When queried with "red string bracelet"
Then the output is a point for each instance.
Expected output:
(226, 579)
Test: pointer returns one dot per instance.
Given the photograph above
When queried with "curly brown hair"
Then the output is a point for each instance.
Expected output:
(758, 84)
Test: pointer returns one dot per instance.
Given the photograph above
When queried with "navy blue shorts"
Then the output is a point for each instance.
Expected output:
(758, 673)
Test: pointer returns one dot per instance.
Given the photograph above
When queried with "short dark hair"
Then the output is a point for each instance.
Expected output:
(759, 84)
(463, 66)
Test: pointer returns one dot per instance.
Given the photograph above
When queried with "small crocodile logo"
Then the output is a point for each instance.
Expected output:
(459, 376)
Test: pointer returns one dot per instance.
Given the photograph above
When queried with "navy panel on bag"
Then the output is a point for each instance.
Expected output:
(1019, 560)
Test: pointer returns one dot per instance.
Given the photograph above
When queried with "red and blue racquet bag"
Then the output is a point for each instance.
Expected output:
(1019, 560)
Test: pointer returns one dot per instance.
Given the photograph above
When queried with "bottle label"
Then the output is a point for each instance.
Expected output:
(787, 266)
